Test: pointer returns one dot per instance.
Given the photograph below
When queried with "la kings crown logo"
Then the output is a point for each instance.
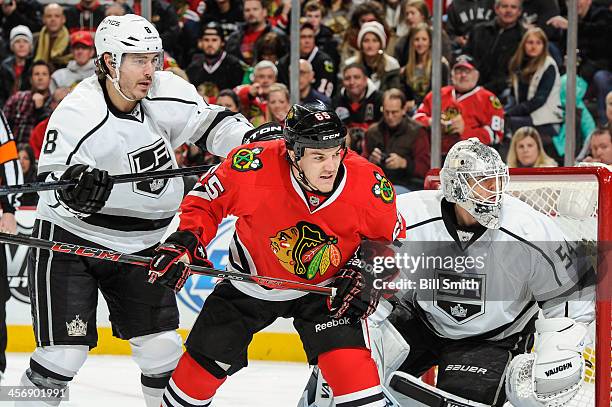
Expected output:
(154, 157)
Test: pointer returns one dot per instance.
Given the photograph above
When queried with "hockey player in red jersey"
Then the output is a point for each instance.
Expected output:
(303, 205)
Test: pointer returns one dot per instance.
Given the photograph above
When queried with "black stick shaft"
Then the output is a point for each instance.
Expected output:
(119, 179)
(110, 255)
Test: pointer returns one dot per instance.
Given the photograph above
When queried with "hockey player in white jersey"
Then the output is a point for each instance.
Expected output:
(127, 119)
(472, 330)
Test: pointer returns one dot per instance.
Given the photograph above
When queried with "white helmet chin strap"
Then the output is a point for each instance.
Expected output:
(115, 82)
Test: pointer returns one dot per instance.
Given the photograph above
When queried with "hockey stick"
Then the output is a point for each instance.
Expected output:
(110, 255)
(119, 179)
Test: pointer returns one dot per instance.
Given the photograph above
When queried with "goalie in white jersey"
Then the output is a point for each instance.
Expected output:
(472, 317)
(127, 119)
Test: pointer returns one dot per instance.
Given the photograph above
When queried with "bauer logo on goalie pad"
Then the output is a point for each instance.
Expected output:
(460, 296)
(154, 157)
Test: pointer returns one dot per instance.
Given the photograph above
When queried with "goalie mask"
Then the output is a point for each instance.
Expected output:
(128, 34)
(475, 178)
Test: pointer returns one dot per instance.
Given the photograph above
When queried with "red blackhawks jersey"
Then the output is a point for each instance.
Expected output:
(283, 232)
(481, 110)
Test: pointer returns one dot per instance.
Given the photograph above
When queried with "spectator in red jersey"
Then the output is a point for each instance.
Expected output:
(85, 15)
(242, 42)
(27, 108)
(14, 68)
(53, 44)
(468, 110)
(253, 97)
(358, 104)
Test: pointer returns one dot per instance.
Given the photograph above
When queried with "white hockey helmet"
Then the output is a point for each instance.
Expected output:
(128, 34)
(466, 180)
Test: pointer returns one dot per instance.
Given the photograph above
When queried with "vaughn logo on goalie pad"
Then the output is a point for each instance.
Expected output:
(154, 157)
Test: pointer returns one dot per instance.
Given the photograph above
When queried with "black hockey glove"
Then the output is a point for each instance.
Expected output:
(265, 132)
(356, 296)
(170, 266)
(91, 191)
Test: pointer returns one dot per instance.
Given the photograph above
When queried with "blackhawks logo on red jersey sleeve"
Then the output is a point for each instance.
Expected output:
(306, 250)
(383, 188)
(247, 159)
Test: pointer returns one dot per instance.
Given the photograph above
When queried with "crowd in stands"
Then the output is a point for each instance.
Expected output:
(503, 71)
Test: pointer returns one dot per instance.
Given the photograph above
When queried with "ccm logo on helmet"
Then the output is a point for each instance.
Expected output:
(331, 136)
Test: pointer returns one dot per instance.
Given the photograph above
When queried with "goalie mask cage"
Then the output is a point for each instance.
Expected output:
(585, 193)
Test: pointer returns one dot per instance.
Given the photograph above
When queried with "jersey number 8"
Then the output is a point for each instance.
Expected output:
(50, 144)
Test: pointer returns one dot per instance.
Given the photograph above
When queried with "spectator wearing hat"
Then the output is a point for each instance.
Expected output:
(53, 45)
(468, 110)
(25, 109)
(242, 42)
(381, 68)
(307, 93)
(85, 15)
(14, 68)
(322, 64)
(209, 71)
(80, 67)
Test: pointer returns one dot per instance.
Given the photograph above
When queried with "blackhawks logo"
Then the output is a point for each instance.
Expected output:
(306, 250)
(383, 189)
(495, 102)
(246, 159)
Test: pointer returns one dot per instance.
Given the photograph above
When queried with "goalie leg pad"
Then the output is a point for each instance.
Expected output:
(353, 377)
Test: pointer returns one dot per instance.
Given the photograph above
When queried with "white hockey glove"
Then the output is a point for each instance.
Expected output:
(554, 372)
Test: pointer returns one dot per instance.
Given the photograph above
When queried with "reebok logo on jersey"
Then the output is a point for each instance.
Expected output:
(332, 323)
(558, 369)
(466, 368)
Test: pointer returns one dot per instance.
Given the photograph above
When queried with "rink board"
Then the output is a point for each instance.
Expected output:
(278, 342)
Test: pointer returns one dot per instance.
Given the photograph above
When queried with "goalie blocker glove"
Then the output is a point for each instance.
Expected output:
(90, 193)
(170, 266)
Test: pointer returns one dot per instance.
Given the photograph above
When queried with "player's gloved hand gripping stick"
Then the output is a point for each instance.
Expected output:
(143, 261)
(116, 179)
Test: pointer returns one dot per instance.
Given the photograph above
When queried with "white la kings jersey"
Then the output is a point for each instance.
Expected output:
(492, 282)
(87, 129)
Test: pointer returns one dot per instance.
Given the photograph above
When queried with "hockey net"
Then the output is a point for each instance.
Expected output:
(579, 200)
